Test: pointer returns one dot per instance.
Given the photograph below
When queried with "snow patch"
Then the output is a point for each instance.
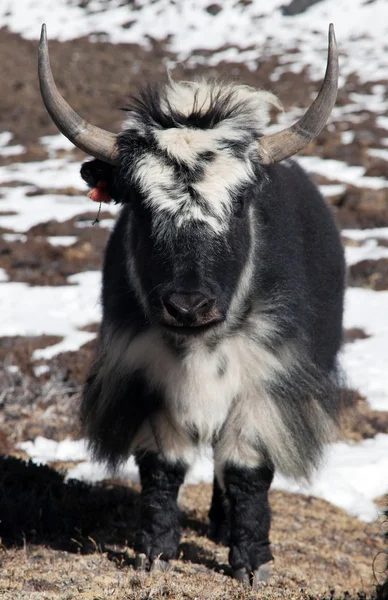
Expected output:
(39, 310)
(62, 240)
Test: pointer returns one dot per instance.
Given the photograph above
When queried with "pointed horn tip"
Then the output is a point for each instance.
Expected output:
(332, 34)
(43, 34)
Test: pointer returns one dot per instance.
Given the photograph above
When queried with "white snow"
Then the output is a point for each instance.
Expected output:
(368, 250)
(62, 240)
(351, 477)
(12, 150)
(364, 234)
(379, 153)
(347, 137)
(365, 360)
(44, 450)
(382, 121)
(5, 138)
(3, 275)
(9, 150)
(30, 210)
(49, 310)
(40, 370)
(53, 143)
(14, 237)
(341, 171)
(332, 190)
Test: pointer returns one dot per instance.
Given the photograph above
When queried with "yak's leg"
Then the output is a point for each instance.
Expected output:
(247, 492)
(218, 515)
(159, 534)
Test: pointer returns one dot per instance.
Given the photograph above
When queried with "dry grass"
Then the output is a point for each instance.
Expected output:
(75, 541)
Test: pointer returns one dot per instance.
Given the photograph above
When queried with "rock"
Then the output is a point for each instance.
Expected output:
(372, 274)
(362, 207)
(297, 6)
(214, 9)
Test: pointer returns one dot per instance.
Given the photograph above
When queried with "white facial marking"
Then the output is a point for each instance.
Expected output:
(208, 152)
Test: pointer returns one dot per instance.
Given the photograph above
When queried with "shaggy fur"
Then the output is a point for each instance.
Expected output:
(201, 215)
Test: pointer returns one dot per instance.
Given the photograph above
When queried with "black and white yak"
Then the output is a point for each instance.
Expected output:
(222, 303)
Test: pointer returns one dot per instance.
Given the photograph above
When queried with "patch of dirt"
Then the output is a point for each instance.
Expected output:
(69, 227)
(372, 274)
(358, 421)
(94, 78)
(88, 532)
(76, 365)
(353, 334)
(362, 208)
(33, 406)
(296, 7)
(16, 351)
(37, 262)
(66, 191)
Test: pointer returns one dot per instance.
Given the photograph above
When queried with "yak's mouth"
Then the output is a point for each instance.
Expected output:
(192, 329)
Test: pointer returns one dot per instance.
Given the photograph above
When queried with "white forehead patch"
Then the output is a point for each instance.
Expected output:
(192, 173)
(184, 144)
(167, 197)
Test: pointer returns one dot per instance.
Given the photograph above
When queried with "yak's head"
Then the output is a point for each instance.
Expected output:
(188, 165)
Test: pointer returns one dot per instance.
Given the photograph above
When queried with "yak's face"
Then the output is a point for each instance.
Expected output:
(187, 276)
(189, 171)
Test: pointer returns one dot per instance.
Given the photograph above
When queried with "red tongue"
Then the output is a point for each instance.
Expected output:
(100, 193)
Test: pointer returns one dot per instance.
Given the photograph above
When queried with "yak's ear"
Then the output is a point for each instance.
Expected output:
(95, 171)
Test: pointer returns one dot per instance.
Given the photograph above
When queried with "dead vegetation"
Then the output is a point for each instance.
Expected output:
(74, 540)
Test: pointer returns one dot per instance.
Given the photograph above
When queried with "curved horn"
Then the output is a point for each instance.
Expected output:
(92, 140)
(285, 143)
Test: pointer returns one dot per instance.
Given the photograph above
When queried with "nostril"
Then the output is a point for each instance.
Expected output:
(205, 303)
(187, 307)
(173, 310)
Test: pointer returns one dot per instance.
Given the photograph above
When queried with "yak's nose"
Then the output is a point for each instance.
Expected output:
(188, 308)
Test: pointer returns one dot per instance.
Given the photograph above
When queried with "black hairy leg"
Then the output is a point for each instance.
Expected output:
(218, 515)
(250, 518)
(159, 533)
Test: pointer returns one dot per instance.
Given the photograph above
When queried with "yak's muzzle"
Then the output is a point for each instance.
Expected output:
(189, 309)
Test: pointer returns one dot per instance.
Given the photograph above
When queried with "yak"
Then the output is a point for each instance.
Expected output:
(222, 300)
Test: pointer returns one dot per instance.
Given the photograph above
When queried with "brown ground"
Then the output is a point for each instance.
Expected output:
(72, 541)
(76, 540)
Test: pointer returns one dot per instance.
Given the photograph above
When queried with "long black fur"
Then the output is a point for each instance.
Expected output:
(159, 533)
(249, 516)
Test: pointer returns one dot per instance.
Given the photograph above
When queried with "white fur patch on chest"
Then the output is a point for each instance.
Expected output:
(200, 388)
(221, 396)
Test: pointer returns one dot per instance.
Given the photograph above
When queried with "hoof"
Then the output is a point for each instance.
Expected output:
(242, 576)
(262, 574)
(160, 566)
(142, 563)
(255, 578)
